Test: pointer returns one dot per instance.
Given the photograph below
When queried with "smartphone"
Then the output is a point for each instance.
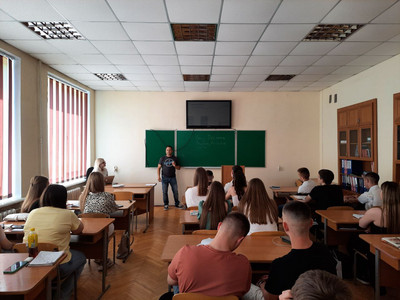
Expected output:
(17, 227)
(15, 267)
(285, 239)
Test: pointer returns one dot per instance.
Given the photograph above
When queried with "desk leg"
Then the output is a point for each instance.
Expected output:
(326, 231)
(48, 289)
(377, 279)
(104, 288)
(147, 213)
(183, 228)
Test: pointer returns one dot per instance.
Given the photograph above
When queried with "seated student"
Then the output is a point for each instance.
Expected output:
(210, 176)
(214, 270)
(235, 169)
(373, 196)
(100, 166)
(307, 185)
(259, 208)
(54, 224)
(36, 188)
(318, 285)
(5, 244)
(198, 193)
(215, 208)
(326, 194)
(238, 188)
(305, 255)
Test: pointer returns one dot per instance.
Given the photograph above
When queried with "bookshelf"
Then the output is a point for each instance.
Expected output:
(357, 144)
(396, 137)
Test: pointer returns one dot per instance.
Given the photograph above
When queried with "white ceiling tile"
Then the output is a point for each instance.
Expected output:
(133, 69)
(78, 10)
(122, 59)
(145, 83)
(368, 60)
(155, 47)
(222, 84)
(313, 48)
(196, 83)
(242, 89)
(125, 88)
(312, 88)
(272, 84)
(395, 39)
(309, 78)
(218, 89)
(193, 11)
(224, 77)
(165, 69)
(334, 60)
(87, 76)
(234, 48)
(334, 77)
(356, 11)
(389, 48)
(195, 60)
(305, 11)
(115, 47)
(227, 60)
(353, 48)
(375, 32)
(195, 48)
(70, 68)
(196, 89)
(350, 70)
(171, 83)
(139, 77)
(173, 89)
(169, 77)
(240, 32)
(298, 83)
(33, 46)
(257, 78)
(299, 60)
(101, 31)
(247, 84)
(319, 70)
(226, 70)
(253, 11)
(148, 31)
(55, 59)
(322, 84)
(389, 16)
(270, 60)
(274, 48)
(257, 70)
(289, 89)
(117, 83)
(160, 60)
(102, 88)
(286, 32)
(196, 69)
(139, 10)
(28, 10)
(5, 17)
(95, 82)
(74, 46)
(266, 89)
(149, 89)
(92, 59)
(288, 70)
(16, 31)
(101, 68)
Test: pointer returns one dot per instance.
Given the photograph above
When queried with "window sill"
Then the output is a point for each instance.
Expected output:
(69, 184)
(9, 202)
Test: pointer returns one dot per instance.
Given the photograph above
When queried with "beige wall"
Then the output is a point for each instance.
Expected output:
(381, 82)
(291, 121)
(33, 114)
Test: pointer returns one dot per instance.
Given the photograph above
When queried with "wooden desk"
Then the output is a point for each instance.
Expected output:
(28, 282)
(257, 249)
(280, 194)
(187, 220)
(144, 196)
(382, 251)
(339, 221)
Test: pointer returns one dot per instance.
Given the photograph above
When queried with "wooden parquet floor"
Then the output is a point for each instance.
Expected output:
(143, 276)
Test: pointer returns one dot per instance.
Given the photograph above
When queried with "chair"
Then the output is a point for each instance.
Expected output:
(340, 208)
(100, 215)
(205, 232)
(268, 233)
(126, 196)
(235, 208)
(23, 248)
(193, 208)
(196, 296)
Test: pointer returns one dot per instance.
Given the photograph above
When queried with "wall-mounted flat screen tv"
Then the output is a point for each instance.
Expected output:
(208, 113)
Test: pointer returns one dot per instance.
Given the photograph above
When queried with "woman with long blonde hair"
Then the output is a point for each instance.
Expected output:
(199, 191)
(100, 166)
(36, 187)
(261, 211)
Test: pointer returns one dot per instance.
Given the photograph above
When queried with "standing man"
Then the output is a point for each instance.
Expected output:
(168, 164)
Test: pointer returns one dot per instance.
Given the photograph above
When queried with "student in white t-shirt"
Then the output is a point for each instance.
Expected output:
(195, 194)
(373, 196)
(307, 185)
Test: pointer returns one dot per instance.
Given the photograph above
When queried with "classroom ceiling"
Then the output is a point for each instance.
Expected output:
(254, 39)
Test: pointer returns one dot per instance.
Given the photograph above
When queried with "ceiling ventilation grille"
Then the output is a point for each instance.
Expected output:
(110, 76)
(279, 77)
(332, 32)
(194, 32)
(188, 77)
(54, 30)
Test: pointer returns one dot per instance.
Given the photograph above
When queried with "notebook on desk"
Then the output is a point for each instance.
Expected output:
(109, 179)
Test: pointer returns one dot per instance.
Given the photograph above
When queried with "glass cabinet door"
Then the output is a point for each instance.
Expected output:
(353, 134)
(366, 142)
(343, 143)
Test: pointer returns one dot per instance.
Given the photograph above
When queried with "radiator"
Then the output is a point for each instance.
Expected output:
(6, 213)
(73, 194)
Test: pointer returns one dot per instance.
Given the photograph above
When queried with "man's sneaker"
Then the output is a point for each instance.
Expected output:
(180, 206)
(165, 207)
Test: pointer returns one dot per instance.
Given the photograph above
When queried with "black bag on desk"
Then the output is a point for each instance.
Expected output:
(124, 246)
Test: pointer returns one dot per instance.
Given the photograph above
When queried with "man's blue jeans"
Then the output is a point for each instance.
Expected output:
(174, 186)
(77, 262)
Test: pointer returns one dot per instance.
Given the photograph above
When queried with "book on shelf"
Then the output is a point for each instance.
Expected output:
(393, 240)
(46, 258)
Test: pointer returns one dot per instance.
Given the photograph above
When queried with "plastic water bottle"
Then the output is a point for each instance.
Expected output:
(33, 243)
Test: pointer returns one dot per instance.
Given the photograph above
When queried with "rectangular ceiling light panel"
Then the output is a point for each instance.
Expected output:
(54, 30)
(279, 77)
(196, 77)
(110, 76)
(332, 32)
(194, 32)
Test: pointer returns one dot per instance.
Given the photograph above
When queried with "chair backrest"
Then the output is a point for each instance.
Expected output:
(340, 208)
(23, 248)
(268, 233)
(93, 215)
(235, 208)
(193, 208)
(196, 296)
(123, 195)
(205, 231)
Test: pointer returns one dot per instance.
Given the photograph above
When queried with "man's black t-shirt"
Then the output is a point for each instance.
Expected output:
(324, 196)
(168, 170)
(285, 270)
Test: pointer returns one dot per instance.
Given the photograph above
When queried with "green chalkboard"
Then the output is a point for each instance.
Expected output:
(206, 148)
(251, 148)
(156, 142)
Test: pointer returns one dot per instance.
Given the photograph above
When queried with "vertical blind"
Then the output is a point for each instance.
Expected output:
(6, 127)
(67, 131)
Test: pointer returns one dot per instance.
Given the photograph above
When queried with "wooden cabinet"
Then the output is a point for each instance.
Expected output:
(396, 137)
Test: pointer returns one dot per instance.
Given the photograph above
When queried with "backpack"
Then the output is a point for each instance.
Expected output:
(124, 246)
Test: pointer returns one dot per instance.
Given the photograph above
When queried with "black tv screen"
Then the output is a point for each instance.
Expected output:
(208, 113)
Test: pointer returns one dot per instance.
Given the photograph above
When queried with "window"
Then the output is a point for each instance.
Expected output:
(6, 126)
(67, 116)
